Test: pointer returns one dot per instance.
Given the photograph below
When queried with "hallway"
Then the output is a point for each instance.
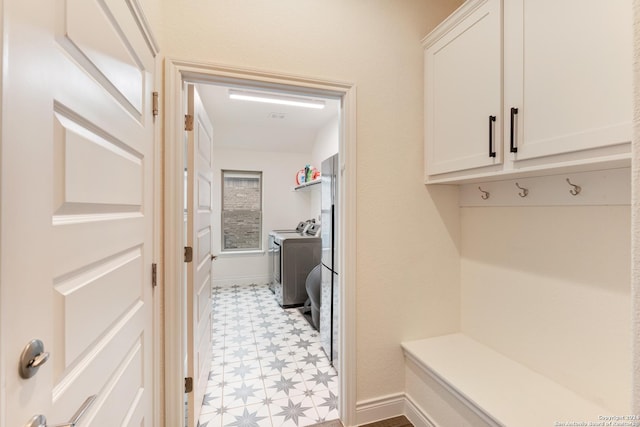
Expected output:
(268, 368)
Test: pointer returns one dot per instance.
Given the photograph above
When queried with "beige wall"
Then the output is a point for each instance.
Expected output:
(408, 284)
(635, 217)
(408, 279)
(400, 292)
(278, 173)
(549, 287)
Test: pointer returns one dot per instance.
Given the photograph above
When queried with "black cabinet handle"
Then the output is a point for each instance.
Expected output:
(492, 119)
(514, 149)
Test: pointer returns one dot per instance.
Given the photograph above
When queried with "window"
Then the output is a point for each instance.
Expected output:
(241, 210)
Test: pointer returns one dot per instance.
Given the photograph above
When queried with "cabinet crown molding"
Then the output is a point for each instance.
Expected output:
(459, 15)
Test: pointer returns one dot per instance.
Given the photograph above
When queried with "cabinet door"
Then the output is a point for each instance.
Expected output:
(568, 72)
(463, 89)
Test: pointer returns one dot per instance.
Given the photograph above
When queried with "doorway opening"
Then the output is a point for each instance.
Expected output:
(236, 284)
(271, 364)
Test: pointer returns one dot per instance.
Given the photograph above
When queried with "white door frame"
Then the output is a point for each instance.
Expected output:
(176, 73)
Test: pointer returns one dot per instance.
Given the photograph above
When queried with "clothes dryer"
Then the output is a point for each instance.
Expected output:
(294, 256)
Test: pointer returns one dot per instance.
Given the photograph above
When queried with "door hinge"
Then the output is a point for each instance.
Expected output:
(188, 254)
(154, 274)
(188, 122)
(154, 104)
(188, 385)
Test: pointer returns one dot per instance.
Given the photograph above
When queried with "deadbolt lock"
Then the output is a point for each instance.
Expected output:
(33, 356)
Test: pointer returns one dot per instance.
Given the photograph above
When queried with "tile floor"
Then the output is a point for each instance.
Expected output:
(268, 367)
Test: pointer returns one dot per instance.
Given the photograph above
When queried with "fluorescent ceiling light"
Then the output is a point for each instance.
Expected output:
(271, 98)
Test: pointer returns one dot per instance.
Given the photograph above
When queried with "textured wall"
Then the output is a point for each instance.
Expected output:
(407, 260)
(549, 287)
(635, 213)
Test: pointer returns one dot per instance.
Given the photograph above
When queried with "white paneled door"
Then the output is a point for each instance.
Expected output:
(76, 211)
(199, 235)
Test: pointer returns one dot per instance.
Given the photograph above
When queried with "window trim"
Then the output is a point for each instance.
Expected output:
(236, 173)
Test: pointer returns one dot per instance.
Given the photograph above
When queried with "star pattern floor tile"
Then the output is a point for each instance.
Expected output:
(268, 367)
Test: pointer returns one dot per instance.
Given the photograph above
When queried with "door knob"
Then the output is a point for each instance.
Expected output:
(41, 420)
(33, 356)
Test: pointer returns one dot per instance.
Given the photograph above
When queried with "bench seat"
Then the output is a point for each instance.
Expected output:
(486, 388)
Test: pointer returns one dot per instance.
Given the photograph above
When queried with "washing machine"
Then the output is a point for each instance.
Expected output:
(293, 255)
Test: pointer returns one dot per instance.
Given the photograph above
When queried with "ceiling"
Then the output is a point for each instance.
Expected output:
(244, 125)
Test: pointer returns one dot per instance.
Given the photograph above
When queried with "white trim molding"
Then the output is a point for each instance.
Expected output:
(145, 27)
(415, 414)
(380, 408)
(452, 21)
(240, 280)
(393, 405)
(177, 72)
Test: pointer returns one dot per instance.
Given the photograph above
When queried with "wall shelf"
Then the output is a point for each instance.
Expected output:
(307, 185)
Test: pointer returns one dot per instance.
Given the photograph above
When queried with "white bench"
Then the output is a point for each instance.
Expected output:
(453, 380)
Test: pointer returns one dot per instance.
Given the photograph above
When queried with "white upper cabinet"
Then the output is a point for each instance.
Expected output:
(464, 98)
(568, 72)
(564, 71)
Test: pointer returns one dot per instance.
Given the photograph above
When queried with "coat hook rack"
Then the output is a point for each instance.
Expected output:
(575, 190)
(485, 194)
(524, 191)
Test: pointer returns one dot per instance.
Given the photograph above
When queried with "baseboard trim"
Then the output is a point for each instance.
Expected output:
(416, 415)
(390, 406)
(380, 408)
(240, 280)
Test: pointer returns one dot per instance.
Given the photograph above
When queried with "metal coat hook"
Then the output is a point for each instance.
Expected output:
(575, 190)
(485, 194)
(524, 191)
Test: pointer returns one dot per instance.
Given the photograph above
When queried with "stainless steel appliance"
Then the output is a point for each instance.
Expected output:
(300, 228)
(293, 255)
(329, 294)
